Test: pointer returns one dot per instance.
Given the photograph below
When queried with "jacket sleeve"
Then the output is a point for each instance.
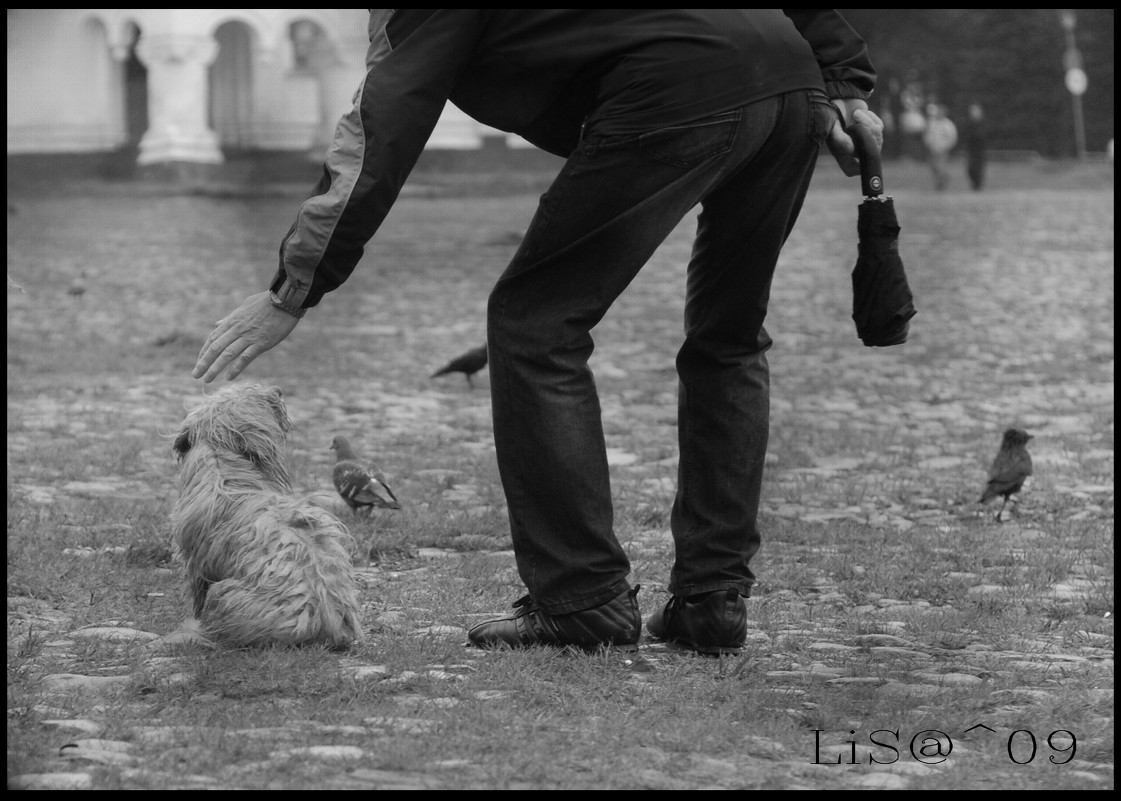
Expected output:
(412, 64)
(840, 52)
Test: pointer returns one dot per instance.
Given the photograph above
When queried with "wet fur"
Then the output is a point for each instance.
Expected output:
(263, 566)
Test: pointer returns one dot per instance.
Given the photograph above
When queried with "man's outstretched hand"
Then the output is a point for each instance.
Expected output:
(241, 336)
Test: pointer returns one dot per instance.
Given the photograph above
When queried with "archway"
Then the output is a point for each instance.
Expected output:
(93, 117)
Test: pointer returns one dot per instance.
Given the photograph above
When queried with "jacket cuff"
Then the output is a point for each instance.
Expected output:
(844, 91)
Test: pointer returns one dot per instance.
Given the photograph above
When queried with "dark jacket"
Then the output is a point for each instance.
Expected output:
(550, 76)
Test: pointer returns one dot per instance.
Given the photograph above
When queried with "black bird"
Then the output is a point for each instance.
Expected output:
(468, 363)
(1009, 469)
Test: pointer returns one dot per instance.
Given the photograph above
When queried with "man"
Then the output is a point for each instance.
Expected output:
(975, 136)
(656, 111)
(940, 137)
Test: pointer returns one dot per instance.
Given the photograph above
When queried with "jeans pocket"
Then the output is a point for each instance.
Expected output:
(687, 145)
(823, 115)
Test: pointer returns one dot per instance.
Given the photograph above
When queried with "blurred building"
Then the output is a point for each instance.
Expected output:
(192, 85)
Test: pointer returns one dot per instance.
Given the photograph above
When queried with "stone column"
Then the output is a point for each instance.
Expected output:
(177, 99)
(339, 74)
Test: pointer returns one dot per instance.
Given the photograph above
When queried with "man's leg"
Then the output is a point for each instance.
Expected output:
(612, 205)
(723, 404)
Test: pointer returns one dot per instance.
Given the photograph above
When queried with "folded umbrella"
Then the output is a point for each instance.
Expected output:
(882, 304)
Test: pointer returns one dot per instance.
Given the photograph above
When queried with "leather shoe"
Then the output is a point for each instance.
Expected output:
(615, 625)
(711, 623)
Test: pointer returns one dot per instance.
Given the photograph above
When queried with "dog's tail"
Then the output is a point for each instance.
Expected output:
(299, 587)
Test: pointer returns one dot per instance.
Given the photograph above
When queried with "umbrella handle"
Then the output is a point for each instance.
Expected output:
(871, 167)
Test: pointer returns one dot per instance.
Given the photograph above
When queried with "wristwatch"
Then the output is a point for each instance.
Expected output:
(295, 311)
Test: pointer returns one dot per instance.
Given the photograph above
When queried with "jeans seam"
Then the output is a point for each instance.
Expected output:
(517, 487)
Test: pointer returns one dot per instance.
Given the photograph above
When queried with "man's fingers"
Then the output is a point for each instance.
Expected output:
(237, 355)
(235, 369)
(210, 349)
(220, 328)
(222, 337)
(210, 352)
(209, 368)
(218, 366)
(873, 122)
(243, 361)
(218, 355)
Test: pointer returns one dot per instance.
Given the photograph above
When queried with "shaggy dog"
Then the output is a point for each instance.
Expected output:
(263, 566)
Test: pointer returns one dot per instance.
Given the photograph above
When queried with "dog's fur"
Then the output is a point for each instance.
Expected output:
(263, 567)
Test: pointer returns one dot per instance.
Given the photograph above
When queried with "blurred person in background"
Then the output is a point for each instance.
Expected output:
(940, 138)
(974, 137)
(912, 120)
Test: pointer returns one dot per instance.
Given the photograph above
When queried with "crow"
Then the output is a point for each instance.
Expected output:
(468, 363)
(1009, 469)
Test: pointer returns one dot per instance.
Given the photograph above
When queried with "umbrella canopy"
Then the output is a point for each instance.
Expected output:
(882, 304)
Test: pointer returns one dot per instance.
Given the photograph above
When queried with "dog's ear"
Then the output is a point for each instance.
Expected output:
(182, 444)
(279, 409)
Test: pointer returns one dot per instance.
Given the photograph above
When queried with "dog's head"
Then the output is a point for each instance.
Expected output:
(246, 419)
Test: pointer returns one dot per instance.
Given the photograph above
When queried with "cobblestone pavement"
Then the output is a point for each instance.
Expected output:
(999, 338)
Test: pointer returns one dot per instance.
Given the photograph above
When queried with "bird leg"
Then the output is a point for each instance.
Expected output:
(1000, 512)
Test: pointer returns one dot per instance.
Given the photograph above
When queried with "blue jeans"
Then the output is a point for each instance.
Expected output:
(614, 202)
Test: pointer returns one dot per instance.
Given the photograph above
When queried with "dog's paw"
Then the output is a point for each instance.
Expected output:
(187, 636)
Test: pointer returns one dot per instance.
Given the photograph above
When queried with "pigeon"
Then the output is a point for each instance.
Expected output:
(1010, 467)
(361, 486)
(468, 363)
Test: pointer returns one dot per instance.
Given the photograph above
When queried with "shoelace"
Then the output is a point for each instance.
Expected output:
(534, 619)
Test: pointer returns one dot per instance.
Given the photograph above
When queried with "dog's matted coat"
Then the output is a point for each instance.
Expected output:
(263, 566)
